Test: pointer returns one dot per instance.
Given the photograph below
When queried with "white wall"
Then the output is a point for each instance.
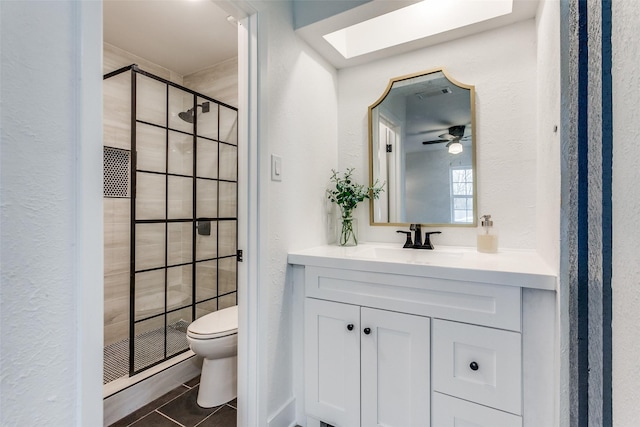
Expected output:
(502, 65)
(548, 144)
(51, 228)
(626, 211)
(298, 104)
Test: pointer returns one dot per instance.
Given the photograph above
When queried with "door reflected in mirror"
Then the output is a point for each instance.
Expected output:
(422, 144)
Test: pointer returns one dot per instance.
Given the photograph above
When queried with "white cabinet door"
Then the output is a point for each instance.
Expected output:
(332, 362)
(395, 369)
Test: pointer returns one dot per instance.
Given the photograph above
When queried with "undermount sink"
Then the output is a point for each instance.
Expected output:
(410, 256)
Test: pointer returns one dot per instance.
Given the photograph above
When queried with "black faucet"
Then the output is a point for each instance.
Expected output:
(417, 240)
(427, 239)
(408, 243)
(417, 235)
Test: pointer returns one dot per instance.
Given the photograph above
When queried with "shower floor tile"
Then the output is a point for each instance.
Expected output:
(149, 350)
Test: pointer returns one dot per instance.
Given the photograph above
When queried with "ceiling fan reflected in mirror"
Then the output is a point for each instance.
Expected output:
(453, 137)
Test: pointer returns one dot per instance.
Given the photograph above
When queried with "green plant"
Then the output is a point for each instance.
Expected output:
(347, 194)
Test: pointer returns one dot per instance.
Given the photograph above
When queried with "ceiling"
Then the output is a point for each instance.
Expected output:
(184, 36)
(314, 32)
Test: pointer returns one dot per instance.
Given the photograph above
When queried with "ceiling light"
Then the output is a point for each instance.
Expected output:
(455, 147)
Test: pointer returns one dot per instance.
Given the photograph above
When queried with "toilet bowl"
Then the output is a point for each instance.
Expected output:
(214, 337)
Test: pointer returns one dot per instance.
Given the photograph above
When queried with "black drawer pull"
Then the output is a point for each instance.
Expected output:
(350, 326)
(367, 331)
(474, 366)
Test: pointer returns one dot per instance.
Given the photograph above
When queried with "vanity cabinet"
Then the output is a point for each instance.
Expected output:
(366, 366)
(399, 345)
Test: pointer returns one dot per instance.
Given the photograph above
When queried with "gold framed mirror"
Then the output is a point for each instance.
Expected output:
(422, 146)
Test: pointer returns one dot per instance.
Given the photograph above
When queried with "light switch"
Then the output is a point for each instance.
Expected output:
(276, 168)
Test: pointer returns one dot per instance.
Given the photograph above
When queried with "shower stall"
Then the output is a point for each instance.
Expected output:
(170, 216)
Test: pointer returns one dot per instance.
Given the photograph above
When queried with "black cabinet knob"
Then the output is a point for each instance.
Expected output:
(350, 326)
(474, 366)
(367, 331)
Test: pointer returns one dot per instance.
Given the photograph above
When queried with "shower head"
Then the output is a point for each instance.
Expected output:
(189, 115)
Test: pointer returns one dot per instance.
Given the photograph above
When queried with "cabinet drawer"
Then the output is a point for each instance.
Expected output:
(451, 412)
(479, 364)
(478, 303)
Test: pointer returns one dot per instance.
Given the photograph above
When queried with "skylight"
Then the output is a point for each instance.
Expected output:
(418, 21)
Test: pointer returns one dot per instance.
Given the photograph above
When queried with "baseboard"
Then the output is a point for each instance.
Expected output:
(136, 396)
(285, 416)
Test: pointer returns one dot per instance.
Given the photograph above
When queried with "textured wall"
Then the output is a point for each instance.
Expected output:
(549, 129)
(626, 210)
(299, 123)
(502, 65)
(50, 369)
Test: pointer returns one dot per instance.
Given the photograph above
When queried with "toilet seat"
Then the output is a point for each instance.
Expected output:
(218, 324)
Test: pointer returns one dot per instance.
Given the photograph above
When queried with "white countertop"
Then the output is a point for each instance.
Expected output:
(507, 267)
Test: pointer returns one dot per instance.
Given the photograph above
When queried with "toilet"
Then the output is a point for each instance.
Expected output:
(214, 337)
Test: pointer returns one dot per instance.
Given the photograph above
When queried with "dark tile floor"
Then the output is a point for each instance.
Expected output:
(179, 408)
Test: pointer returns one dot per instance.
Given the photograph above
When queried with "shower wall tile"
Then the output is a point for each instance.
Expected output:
(120, 210)
(228, 199)
(226, 275)
(116, 310)
(227, 301)
(150, 196)
(114, 332)
(150, 246)
(114, 58)
(206, 245)
(180, 198)
(116, 268)
(206, 307)
(116, 119)
(228, 237)
(149, 282)
(208, 122)
(219, 81)
(207, 159)
(228, 162)
(151, 100)
(116, 285)
(151, 147)
(147, 326)
(179, 101)
(180, 153)
(228, 125)
(206, 286)
(206, 198)
(116, 235)
(179, 243)
(116, 261)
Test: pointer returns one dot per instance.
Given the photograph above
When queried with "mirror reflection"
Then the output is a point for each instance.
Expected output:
(421, 143)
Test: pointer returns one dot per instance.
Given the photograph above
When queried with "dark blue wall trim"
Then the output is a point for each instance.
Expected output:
(583, 217)
(607, 213)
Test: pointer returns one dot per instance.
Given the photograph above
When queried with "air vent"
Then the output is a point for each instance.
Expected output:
(434, 92)
(116, 167)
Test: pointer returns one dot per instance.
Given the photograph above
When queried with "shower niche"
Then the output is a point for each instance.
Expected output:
(170, 216)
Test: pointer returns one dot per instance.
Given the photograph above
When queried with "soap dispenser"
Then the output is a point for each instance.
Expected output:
(487, 236)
